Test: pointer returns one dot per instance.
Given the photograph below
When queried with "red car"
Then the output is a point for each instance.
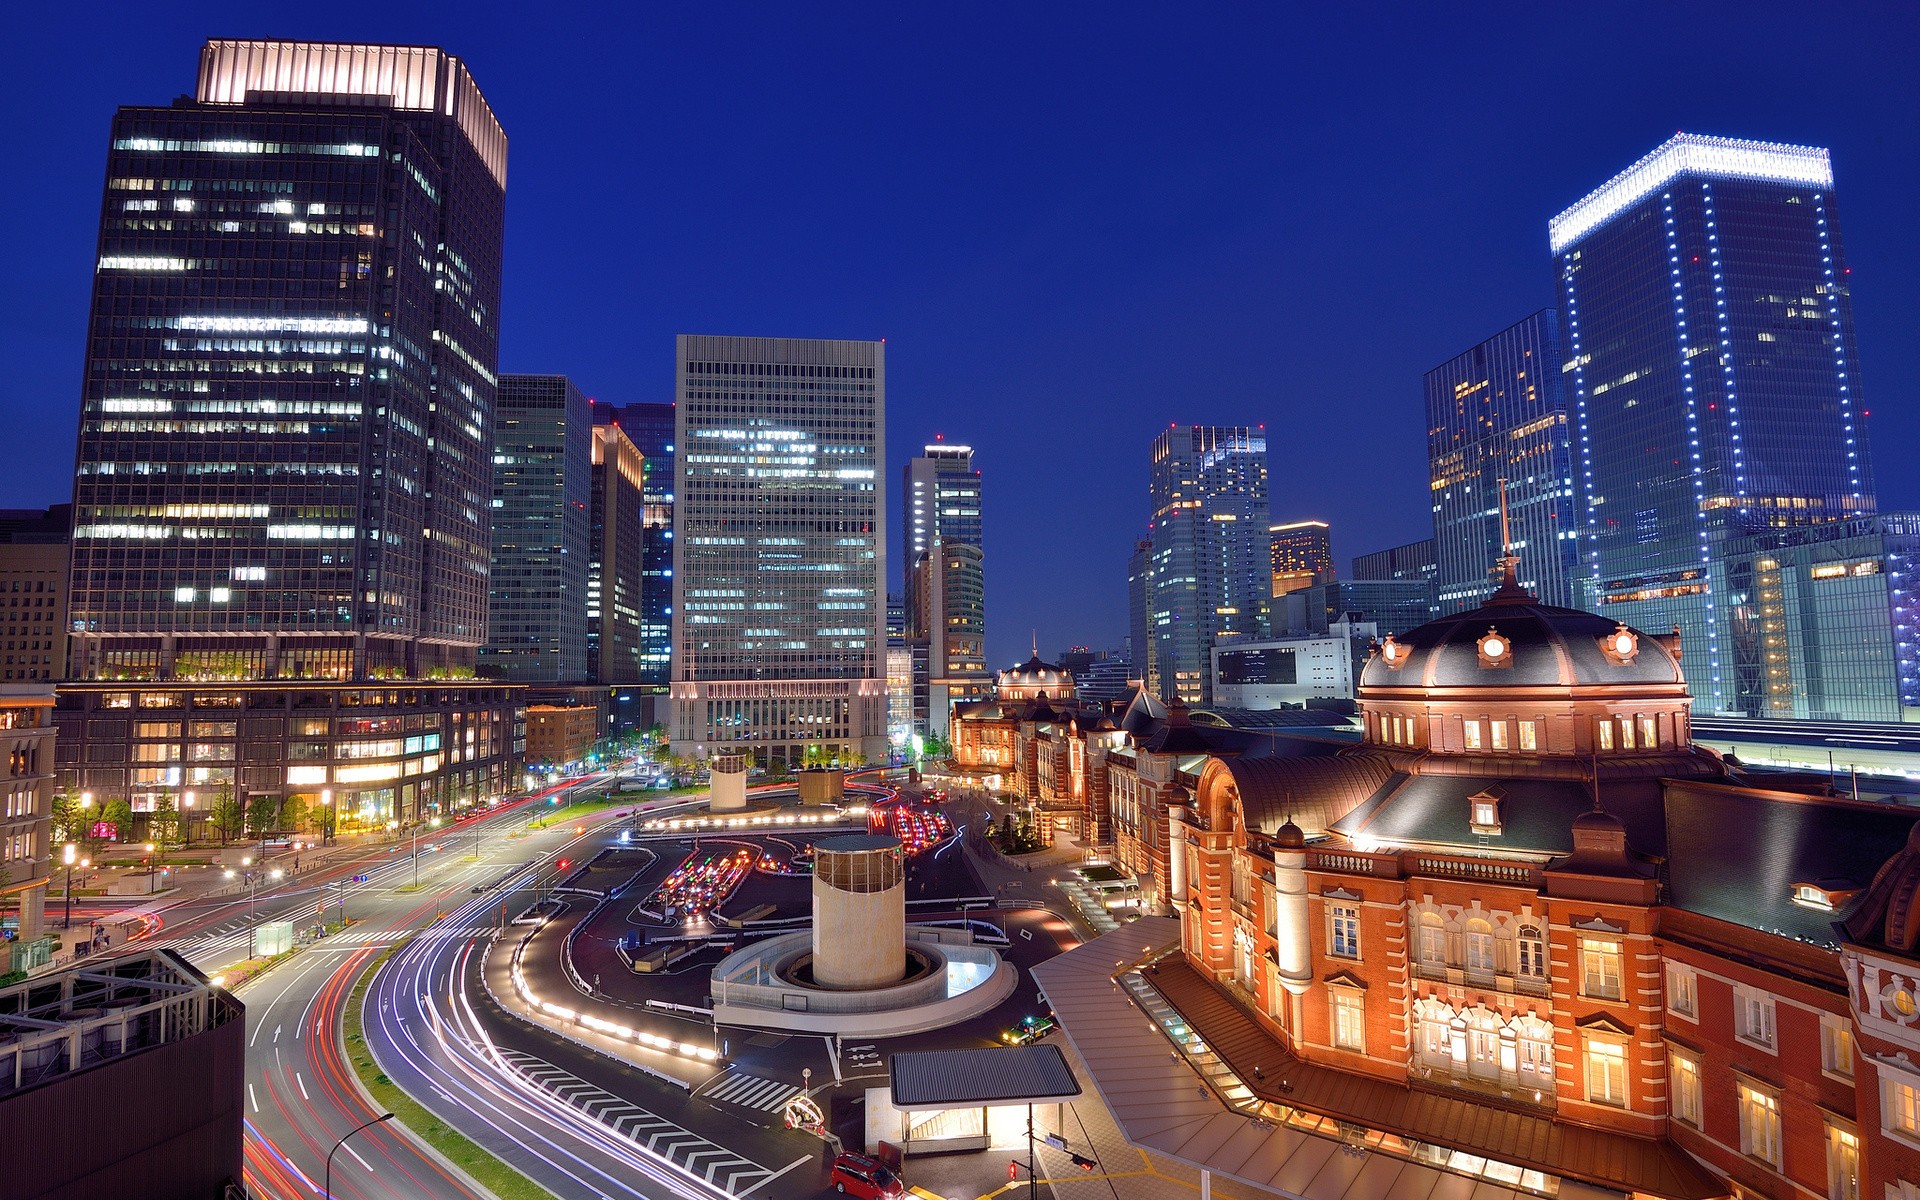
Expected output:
(867, 1178)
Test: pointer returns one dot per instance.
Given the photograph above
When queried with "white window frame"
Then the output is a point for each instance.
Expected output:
(1530, 951)
(1759, 1117)
(1683, 991)
(1497, 734)
(1481, 954)
(1603, 727)
(1899, 1103)
(1754, 1018)
(1433, 935)
(1843, 1160)
(1529, 735)
(1595, 953)
(1836, 1046)
(1473, 737)
(1337, 914)
(1347, 1019)
(1683, 1072)
(1604, 1059)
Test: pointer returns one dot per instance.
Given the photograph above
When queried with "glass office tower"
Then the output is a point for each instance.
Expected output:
(286, 435)
(779, 574)
(1498, 412)
(543, 490)
(1210, 575)
(650, 428)
(946, 605)
(616, 562)
(1302, 554)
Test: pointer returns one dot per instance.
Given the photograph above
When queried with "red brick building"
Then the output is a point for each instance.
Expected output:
(1530, 933)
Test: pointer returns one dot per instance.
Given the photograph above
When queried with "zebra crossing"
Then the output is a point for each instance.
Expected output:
(751, 1091)
(689, 1151)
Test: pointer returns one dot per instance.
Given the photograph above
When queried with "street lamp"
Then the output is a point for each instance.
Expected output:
(416, 852)
(152, 853)
(69, 856)
(327, 822)
(186, 817)
(326, 1191)
(252, 877)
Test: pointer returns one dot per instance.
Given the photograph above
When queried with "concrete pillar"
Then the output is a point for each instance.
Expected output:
(1178, 818)
(859, 911)
(33, 905)
(727, 774)
(1292, 936)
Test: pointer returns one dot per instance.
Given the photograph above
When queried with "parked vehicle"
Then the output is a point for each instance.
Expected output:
(867, 1178)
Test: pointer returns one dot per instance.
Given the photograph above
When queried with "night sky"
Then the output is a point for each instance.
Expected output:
(1073, 224)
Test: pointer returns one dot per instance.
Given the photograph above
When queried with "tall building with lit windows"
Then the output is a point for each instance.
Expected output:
(1716, 399)
(779, 570)
(1302, 554)
(538, 596)
(946, 608)
(1498, 412)
(650, 428)
(1209, 575)
(282, 487)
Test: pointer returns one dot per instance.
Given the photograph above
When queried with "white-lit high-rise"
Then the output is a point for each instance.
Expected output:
(779, 580)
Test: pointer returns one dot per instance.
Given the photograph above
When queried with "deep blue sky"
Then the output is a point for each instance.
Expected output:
(1073, 224)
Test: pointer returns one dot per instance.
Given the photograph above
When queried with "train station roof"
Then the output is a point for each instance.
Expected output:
(981, 1078)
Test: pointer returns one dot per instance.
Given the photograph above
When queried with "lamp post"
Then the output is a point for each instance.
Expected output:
(252, 878)
(70, 856)
(186, 816)
(328, 821)
(153, 852)
(326, 1191)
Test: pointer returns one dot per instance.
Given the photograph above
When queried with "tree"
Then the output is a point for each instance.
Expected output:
(324, 817)
(263, 814)
(119, 814)
(295, 813)
(226, 815)
(164, 824)
(69, 819)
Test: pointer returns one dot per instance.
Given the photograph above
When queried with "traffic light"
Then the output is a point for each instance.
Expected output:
(1013, 1170)
(1083, 1162)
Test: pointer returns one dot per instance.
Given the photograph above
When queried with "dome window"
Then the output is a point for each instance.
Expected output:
(1495, 650)
(1394, 654)
(1620, 646)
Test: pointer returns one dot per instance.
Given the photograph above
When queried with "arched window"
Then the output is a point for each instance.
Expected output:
(1483, 1042)
(1433, 1036)
(1534, 1039)
(1532, 953)
(1433, 939)
(1480, 946)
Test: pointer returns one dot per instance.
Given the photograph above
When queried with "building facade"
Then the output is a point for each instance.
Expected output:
(543, 494)
(1209, 575)
(1283, 672)
(1716, 392)
(650, 427)
(559, 735)
(1528, 933)
(944, 561)
(26, 802)
(1495, 413)
(33, 592)
(286, 432)
(616, 560)
(1302, 555)
(1415, 560)
(779, 575)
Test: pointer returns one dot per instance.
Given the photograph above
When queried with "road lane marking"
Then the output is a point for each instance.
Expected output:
(303, 1086)
(254, 1098)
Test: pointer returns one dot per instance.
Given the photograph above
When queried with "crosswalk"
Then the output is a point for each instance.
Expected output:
(694, 1154)
(751, 1091)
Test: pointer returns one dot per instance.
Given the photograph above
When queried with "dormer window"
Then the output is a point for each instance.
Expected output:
(1826, 895)
(1495, 649)
(1484, 812)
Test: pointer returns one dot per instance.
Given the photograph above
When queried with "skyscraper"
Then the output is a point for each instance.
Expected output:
(1210, 578)
(779, 575)
(650, 428)
(1140, 644)
(1716, 396)
(940, 528)
(537, 596)
(286, 434)
(617, 559)
(1497, 412)
(1302, 554)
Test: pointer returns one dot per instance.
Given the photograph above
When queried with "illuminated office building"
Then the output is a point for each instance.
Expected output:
(650, 428)
(616, 560)
(1302, 555)
(779, 575)
(1715, 390)
(1210, 575)
(1497, 412)
(945, 579)
(286, 438)
(537, 587)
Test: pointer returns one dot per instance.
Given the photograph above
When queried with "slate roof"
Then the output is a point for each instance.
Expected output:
(1735, 853)
(981, 1076)
(1551, 646)
(1315, 791)
(1536, 814)
(1271, 718)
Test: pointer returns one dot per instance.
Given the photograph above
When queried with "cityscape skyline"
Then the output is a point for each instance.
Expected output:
(1228, 224)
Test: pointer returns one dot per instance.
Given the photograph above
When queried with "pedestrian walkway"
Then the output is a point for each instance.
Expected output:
(750, 1091)
(692, 1153)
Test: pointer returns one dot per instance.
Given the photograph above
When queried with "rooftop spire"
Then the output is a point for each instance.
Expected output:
(1509, 590)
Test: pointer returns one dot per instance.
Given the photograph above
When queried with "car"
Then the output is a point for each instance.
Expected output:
(867, 1178)
(1030, 1029)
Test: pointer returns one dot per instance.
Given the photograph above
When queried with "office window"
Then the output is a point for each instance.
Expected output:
(1344, 935)
(1683, 985)
(1843, 1163)
(1529, 735)
(1600, 968)
(1474, 734)
(1836, 1045)
(1683, 1072)
(1753, 1016)
(1606, 1071)
(1760, 1124)
(1349, 1018)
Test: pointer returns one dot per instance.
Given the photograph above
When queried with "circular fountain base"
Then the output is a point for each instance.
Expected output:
(768, 985)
